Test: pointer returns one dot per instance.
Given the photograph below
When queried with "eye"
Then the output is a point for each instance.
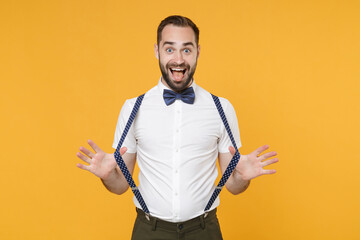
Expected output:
(186, 50)
(169, 50)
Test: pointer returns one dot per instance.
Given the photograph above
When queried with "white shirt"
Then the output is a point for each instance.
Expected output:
(177, 148)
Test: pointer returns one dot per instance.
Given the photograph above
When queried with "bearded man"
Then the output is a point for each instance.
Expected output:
(176, 137)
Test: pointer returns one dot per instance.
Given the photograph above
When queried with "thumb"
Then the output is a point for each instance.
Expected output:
(232, 150)
(123, 150)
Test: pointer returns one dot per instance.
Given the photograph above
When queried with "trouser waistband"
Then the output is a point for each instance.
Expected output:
(196, 222)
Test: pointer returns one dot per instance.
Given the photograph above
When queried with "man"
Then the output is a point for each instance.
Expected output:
(176, 143)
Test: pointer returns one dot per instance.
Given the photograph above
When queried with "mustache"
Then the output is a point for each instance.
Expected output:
(175, 65)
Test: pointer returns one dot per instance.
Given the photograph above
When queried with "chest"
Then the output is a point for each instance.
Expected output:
(181, 125)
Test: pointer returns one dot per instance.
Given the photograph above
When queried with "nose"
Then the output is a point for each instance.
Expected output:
(179, 58)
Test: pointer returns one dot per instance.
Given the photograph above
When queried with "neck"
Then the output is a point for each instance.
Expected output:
(164, 82)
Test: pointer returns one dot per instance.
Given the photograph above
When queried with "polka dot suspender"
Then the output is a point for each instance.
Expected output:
(120, 160)
(230, 168)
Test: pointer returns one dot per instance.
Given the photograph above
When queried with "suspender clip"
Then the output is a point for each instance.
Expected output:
(147, 216)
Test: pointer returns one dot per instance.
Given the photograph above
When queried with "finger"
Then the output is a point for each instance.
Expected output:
(261, 149)
(267, 155)
(269, 162)
(272, 171)
(87, 152)
(232, 150)
(83, 157)
(123, 150)
(94, 146)
(82, 166)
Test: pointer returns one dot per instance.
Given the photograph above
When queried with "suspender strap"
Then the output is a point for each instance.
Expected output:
(230, 168)
(120, 160)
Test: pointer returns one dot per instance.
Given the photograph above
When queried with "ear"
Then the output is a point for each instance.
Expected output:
(156, 49)
(198, 53)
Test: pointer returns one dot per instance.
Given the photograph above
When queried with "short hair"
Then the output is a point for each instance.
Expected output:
(178, 21)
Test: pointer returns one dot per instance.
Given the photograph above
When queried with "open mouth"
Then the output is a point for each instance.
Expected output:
(178, 73)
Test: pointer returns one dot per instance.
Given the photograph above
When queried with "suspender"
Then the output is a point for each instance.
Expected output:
(230, 168)
(120, 160)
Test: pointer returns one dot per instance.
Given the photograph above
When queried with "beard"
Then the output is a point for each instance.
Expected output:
(175, 86)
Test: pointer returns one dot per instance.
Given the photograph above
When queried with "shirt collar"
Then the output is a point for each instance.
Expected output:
(161, 86)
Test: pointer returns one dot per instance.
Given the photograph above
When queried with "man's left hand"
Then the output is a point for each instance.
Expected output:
(251, 166)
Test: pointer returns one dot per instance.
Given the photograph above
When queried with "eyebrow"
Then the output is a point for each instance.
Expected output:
(184, 44)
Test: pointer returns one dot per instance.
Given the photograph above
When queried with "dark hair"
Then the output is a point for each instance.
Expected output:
(179, 21)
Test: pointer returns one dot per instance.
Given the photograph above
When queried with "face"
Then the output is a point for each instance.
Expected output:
(177, 53)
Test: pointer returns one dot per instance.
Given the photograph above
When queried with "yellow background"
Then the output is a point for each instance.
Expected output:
(290, 68)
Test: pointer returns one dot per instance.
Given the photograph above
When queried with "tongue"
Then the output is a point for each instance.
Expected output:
(178, 75)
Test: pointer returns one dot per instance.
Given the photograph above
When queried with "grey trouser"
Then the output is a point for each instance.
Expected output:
(199, 228)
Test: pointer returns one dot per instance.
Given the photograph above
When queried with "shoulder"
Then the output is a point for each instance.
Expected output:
(206, 97)
(150, 95)
(226, 104)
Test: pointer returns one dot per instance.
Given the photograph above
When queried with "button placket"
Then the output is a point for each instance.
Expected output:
(177, 153)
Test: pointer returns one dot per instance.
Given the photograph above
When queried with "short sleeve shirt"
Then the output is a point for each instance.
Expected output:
(177, 148)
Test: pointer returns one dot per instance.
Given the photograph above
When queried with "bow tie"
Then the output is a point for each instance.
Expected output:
(187, 96)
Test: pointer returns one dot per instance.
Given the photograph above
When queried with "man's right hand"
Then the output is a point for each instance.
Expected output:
(102, 164)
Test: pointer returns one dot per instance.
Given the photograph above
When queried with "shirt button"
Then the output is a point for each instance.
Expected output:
(176, 171)
(177, 130)
(176, 194)
(177, 150)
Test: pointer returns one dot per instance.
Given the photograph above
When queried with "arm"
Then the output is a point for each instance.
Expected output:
(116, 182)
(249, 167)
(104, 166)
(235, 184)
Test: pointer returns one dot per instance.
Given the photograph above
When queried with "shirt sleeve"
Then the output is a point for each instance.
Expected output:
(130, 140)
(225, 141)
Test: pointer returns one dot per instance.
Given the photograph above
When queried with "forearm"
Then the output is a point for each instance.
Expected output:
(116, 182)
(236, 184)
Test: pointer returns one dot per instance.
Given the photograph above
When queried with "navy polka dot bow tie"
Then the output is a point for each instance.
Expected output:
(187, 96)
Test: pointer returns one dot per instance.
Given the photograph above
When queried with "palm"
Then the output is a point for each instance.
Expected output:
(248, 167)
(100, 163)
(251, 166)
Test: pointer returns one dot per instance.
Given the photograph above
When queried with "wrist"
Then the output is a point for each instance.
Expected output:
(110, 175)
(239, 176)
